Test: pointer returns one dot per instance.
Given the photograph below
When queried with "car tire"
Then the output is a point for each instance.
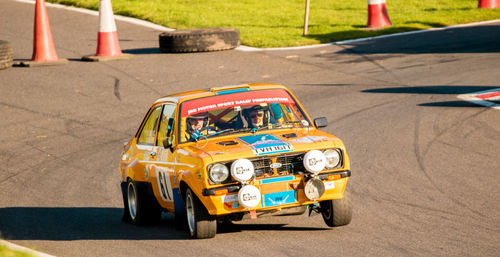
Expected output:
(126, 214)
(337, 212)
(200, 223)
(6, 55)
(141, 208)
(199, 40)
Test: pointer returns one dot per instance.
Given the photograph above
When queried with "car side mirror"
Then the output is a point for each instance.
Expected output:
(321, 122)
(167, 143)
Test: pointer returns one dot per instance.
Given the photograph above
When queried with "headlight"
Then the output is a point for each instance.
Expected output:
(218, 173)
(332, 158)
(314, 189)
(314, 161)
(242, 170)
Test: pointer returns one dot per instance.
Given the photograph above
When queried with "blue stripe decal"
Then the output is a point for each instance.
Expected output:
(225, 92)
(280, 198)
(273, 180)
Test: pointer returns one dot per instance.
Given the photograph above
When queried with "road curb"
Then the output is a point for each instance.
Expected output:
(96, 13)
(24, 249)
(350, 41)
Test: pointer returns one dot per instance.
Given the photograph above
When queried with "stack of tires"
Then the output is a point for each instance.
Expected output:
(199, 40)
(5, 55)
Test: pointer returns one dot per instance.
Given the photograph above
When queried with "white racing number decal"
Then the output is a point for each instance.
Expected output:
(163, 178)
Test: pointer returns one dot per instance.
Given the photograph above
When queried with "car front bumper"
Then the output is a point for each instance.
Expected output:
(276, 193)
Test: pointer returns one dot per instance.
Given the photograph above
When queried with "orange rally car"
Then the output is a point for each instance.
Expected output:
(216, 154)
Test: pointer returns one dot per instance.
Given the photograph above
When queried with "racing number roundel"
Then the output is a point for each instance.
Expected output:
(164, 184)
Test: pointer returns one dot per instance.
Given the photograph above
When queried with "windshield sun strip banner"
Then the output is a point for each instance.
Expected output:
(211, 103)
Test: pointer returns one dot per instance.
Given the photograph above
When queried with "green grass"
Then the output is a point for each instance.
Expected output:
(7, 252)
(278, 23)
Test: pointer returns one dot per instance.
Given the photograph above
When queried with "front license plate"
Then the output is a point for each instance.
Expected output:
(279, 198)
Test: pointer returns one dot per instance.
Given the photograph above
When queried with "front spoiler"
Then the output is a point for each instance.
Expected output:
(236, 188)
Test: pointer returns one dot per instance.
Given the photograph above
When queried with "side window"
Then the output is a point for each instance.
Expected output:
(148, 133)
(166, 124)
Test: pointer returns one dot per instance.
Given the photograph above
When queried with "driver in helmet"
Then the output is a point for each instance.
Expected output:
(255, 116)
(195, 124)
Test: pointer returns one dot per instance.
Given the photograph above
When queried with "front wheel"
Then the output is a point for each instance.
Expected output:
(337, 212)
(200, 223)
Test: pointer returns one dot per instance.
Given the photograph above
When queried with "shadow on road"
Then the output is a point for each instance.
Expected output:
(95, 223)
(152, 50)
(435, 90)
(451, 104)
(478, 39)
(235, 227)
(78, 223)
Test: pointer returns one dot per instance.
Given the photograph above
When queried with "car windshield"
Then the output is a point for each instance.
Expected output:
(233, 113)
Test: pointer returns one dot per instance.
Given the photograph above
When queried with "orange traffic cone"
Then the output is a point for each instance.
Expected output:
(489, 4)
(108, 47)
(377, 14)
(44, 52)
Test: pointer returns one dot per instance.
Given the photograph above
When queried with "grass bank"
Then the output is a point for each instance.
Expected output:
(7, 252)
(279, 23)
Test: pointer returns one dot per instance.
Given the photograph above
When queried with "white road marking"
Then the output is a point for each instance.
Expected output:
(96, 13)
(484, 98)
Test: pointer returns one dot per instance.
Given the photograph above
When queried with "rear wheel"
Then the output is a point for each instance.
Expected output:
(200, 223)
(337, 212)
(142, 208)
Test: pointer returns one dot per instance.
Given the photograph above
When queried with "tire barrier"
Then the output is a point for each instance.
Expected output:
(5, 55)
(199, 40)
(44, 52)
(377, 14)
(489, 4)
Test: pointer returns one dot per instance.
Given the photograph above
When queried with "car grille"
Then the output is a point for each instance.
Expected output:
(283, 165)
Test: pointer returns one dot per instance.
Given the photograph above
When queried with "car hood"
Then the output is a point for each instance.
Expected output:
(264, 143)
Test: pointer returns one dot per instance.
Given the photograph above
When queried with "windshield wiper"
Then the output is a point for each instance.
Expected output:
(228, 132)
(294, 122)
(284, 124)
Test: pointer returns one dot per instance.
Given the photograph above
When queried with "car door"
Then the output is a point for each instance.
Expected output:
(162, 169)
(141, 152)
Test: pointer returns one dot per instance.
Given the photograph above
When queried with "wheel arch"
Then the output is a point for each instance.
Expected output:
(183, 186)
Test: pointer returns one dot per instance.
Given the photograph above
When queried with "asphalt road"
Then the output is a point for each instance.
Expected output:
(425, 164)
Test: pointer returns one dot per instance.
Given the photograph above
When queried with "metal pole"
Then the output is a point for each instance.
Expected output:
(306, 18)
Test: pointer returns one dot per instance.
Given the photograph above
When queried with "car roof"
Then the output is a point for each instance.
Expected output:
(194, 94)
